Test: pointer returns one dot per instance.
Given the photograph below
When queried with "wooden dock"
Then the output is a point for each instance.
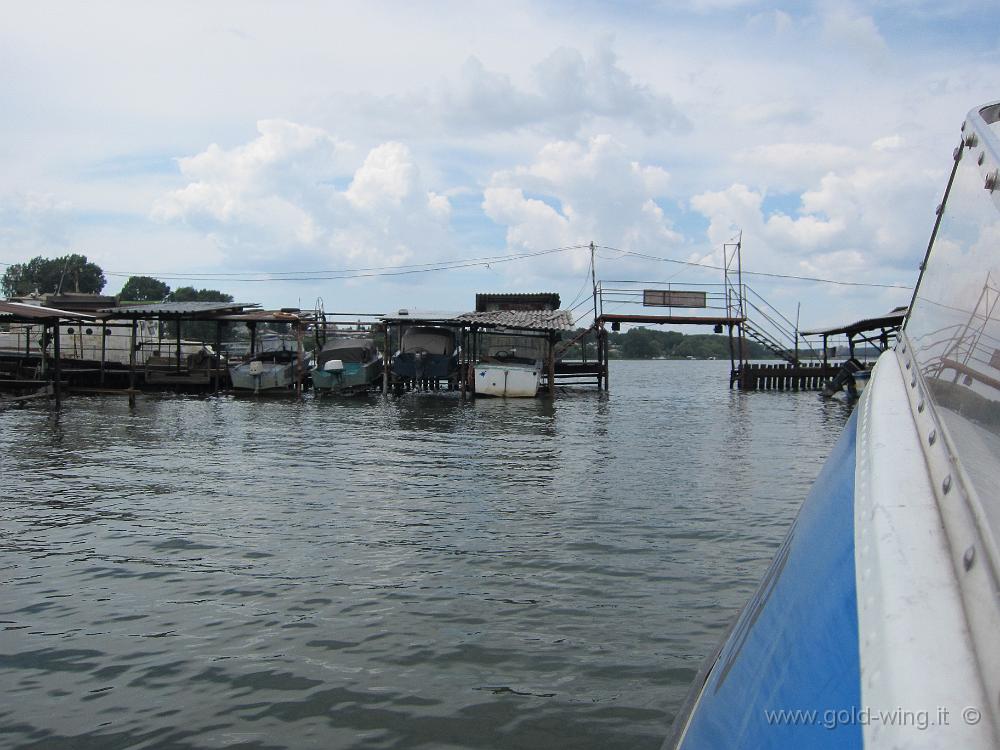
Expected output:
(783, 377)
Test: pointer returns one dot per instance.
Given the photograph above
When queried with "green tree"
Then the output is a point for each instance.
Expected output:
(143, 289)
(197, 330)
(68, 273)
(641, 343)
(190, 294)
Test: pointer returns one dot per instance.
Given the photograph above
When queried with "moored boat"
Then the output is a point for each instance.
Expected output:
(426, 353)
(346, 365)
(511, 366)
(272, 371)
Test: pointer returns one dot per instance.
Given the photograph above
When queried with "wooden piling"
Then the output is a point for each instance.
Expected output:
(300, 363)
(552, 365)
(219, 365)
(131, 366)
(104, 349)
(57, 366)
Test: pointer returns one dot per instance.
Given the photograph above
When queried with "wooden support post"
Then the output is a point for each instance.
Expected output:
(43, 353)
(598, 342)
(104, 349)
(606, 366)
(178, 365)
(131, 366)
(463, 362)
(219, 367)
(252, 325)
(552, 364)
(57, 365)
(300, 364)
(386, 359)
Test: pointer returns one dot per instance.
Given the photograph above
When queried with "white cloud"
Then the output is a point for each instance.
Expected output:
(855, 222)
(569, 91)
(578, 192)
(276, 197)
(711, 6)
(35, 223)
(837, 119)
(791, 165)
(843, 27)
(888, 143)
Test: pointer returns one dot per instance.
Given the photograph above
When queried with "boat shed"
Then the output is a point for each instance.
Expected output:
(20, 312)
(48, 317)
(528, 322)
(876, 331)
(548, 321)
(218, 313)
(520, 314)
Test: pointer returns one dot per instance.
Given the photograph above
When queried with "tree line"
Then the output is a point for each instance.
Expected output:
(75, 274)
(647, 343)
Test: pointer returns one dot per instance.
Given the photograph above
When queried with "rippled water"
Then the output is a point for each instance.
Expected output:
(387, 573)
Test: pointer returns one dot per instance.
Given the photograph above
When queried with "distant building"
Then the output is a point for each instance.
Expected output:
(70, 302)
(489, 302)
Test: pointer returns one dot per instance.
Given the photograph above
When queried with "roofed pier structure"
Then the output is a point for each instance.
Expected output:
(23, 322)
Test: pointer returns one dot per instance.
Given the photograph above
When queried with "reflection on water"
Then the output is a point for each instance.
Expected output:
(407, 572)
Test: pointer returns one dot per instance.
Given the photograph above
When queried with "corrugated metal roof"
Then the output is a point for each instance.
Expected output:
(21, 311)
(527, 320)
(891, 319)
(178, 308)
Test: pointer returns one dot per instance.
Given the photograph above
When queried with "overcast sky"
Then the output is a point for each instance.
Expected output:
(209, 138)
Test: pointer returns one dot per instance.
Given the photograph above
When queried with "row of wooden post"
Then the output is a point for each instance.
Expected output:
(783, 377)
(465, 370)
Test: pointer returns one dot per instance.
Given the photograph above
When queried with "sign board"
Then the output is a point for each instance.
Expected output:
(668, 298)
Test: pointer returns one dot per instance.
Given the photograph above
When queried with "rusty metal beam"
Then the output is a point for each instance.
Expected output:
(687, 320)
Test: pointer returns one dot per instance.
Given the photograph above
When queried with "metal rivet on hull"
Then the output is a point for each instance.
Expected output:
(969, 558)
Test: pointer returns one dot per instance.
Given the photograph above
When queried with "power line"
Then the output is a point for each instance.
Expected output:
(344, 273)
(335, 272)
(792, 277)
(444, 265)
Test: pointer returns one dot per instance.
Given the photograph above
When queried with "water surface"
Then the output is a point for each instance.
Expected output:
(406, 572)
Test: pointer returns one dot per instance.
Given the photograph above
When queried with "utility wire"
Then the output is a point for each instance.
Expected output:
(416, 268)
(342, 273)
(586, 278)
(762, 273)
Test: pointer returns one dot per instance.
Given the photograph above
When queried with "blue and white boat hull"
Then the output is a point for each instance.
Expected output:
(878, 623)
(835, 647)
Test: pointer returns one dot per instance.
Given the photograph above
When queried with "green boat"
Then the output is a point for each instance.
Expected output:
(346, 365)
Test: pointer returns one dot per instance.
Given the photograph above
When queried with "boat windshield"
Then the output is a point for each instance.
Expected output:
(433, 340)
(512, 347)
(347, 350)
(954, 323)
